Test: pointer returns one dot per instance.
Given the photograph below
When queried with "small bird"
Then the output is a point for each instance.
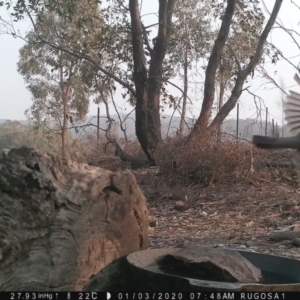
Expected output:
(292, 116)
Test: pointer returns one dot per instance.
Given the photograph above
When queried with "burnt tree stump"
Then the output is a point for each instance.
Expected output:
(61, 222)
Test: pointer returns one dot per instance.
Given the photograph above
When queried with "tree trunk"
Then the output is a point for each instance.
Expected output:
(185, 91)
(65, 94)
(210, 78)
(229, 105)
(153, 97)
(209, 86)
(140, 77)
(220, 105)
(148, 125)
(64, 135)
(62, 222)
(243, 74)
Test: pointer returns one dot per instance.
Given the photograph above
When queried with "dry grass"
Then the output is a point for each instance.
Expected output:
(105, 148)
(132, 149)
(202, 161)
(206, 160)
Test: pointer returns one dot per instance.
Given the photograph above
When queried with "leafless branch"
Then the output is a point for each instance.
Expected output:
(258, 97)
(289, 32)
(122, 122)
(265, 74)
(295, 4)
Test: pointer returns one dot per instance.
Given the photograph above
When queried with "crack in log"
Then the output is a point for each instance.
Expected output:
(107, 212)
(139, 221)
(112, 188)
(31, 182)
(36, 167)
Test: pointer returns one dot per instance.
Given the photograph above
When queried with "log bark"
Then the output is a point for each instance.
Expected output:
(61, 222)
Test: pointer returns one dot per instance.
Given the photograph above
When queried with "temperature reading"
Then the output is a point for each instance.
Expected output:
(88, 296)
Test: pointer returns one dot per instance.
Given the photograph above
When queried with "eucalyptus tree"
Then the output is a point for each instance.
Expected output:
(246, 27)
(191, 39)
(229, 18)
(60, 83)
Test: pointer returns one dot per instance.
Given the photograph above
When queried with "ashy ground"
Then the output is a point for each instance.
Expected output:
(239, 215)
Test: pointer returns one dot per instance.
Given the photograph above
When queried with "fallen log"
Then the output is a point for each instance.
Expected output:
(61, 222)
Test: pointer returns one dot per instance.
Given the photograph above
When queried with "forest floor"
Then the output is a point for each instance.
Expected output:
(239, 215)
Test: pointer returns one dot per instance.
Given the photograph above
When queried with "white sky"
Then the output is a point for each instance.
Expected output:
(15, 99)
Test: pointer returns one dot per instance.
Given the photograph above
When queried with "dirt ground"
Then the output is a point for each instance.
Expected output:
(239, 215)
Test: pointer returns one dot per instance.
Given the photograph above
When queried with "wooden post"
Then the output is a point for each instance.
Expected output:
(98, 128)
(266, 128)
(237, 121)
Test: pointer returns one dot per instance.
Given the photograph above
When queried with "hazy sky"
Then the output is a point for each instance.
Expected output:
(15, 99)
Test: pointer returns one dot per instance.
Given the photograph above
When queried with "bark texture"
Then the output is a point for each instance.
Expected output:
(61, 222)
(148, 83)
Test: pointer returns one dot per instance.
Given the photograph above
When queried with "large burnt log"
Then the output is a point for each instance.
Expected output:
(61, 221)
